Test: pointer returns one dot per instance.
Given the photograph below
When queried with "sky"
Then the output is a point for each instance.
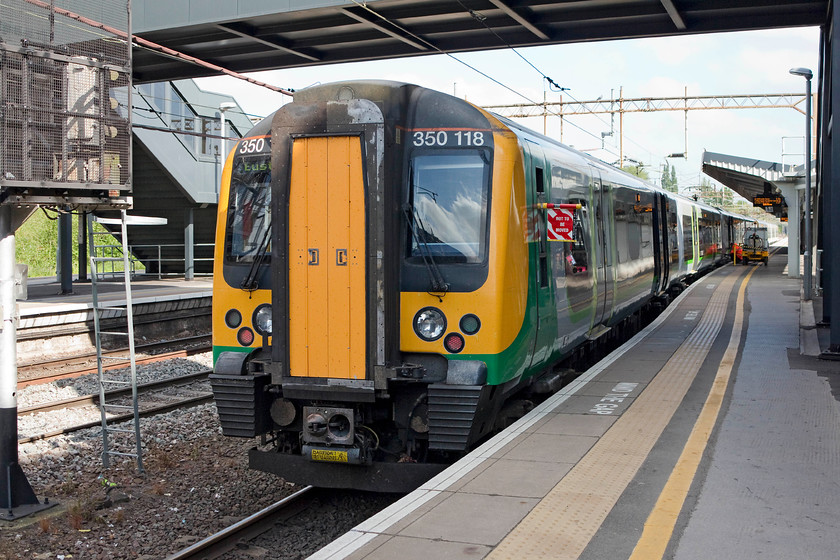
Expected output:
(754, 62)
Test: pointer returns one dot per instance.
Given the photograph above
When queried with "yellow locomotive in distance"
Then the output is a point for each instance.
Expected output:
(755, 247)
(385, 291)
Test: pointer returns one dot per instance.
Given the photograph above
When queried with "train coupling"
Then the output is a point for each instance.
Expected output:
(329, 435)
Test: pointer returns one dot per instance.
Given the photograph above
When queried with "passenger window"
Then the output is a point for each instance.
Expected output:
(576, 261)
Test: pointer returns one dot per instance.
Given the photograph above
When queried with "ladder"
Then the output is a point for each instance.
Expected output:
(101, 256)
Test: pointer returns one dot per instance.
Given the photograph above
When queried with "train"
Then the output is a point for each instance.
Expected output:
(388, 290)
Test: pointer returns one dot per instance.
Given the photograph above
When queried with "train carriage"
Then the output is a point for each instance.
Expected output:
(386, 282)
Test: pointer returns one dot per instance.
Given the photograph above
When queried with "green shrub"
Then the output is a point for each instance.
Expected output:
(36, 243)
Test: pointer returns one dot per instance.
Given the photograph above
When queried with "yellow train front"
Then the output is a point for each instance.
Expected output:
(384, 284)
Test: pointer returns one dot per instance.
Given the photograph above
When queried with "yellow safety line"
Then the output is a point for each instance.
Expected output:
(561, 525)
(660, 523)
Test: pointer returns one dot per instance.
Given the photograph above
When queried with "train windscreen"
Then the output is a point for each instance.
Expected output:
(249, 208)
(449, 194)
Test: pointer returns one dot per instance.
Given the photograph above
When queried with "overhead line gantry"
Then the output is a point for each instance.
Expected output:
(622, 105)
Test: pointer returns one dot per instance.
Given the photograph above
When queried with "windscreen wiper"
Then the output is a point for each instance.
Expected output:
(438, 284)
(250, 283)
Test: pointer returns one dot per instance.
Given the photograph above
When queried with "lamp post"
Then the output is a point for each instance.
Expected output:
(807, 74)
(224, 106)
(223, 144)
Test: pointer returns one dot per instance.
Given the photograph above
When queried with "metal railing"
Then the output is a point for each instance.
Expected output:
(159, 250)
(141, 265)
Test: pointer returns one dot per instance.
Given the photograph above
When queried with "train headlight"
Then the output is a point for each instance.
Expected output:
(429, 323)
(262, 319)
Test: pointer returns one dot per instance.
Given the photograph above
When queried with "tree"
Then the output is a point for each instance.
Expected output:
(637, 169)
(669, 178)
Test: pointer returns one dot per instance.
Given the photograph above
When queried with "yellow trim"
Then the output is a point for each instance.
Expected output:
(563, 523)
(659, 526)
(500, 303)
(226, 297)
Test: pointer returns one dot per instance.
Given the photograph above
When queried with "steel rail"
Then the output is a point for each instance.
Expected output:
(145, 413)
(186, 403)
(85, 400)
(247, 529)
(90, 370)
(149, 346)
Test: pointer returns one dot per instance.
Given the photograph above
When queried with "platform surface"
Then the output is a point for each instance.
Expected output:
(44, 295)
(708, 435)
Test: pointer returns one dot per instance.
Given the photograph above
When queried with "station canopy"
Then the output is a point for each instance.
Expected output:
(754, 179)
(264, 35)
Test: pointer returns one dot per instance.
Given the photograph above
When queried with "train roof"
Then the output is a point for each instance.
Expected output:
(390, 92)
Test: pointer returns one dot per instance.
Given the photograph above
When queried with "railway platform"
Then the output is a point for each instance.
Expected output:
(52, 323)
(714, 433)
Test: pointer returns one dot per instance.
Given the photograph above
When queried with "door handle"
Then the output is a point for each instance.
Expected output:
(341, 257)
(313, 257)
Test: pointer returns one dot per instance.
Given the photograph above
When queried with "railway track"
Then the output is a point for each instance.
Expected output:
(52, 370)
(249, 528)
(145, 411)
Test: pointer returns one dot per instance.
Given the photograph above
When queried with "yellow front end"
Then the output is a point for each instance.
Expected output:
(233, 307)
(500, 304)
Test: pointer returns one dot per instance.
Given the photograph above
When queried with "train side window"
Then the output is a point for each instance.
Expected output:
(576, 261)
(540, 180)
(688, 239)
(539, 175)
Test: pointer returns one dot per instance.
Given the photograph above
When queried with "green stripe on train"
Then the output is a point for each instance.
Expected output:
(219, 349)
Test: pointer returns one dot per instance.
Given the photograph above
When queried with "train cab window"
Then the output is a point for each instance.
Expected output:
(449, 194)
(249, 208)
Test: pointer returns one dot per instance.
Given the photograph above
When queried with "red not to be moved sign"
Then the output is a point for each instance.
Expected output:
(560, 221)
(561, 224)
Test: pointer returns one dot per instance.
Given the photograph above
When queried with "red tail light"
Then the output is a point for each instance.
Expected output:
(453, 343)
(245, 336)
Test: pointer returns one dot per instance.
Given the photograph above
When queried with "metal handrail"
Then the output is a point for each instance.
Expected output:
(114, 250)
(161, 259)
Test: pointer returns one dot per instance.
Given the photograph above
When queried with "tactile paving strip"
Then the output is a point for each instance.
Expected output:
(564, 522)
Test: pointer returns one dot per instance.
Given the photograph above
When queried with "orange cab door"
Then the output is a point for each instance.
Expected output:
(327, 294)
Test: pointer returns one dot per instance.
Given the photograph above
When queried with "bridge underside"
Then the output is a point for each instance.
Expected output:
(264, 35)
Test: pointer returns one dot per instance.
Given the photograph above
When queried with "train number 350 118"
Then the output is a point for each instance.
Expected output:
(449, 138)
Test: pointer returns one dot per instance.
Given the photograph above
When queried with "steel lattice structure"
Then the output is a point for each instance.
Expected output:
(64, 119)
(650, 104)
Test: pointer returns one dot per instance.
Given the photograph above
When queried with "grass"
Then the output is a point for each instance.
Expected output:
(80, 512)
(36, 244)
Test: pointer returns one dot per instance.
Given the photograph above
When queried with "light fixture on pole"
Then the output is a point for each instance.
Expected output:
(807, 74)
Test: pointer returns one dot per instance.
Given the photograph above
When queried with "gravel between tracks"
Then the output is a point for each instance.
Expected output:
(196, 483)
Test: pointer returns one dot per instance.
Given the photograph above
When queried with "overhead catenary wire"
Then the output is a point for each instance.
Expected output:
(364, 6)
(482, 19)
(553, 85)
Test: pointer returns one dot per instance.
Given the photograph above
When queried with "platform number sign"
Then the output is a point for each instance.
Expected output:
(560, 221)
